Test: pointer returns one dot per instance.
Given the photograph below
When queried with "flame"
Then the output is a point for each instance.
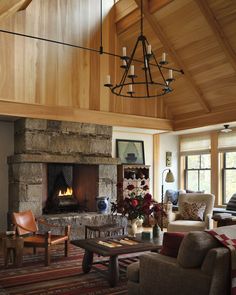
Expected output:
(68, 192)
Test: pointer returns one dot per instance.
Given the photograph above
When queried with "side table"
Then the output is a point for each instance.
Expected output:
(13, 246)
(93, 231)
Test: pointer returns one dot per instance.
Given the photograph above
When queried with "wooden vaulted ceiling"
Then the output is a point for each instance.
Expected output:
(45, 80)
(199, 37)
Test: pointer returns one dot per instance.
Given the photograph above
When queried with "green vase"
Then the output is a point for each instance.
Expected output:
(156, 231)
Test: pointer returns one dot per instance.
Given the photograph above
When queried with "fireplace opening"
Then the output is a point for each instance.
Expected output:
(71, 188)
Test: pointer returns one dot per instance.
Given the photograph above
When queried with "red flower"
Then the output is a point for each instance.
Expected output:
(148, 198)
(130, 187)
(134, 203)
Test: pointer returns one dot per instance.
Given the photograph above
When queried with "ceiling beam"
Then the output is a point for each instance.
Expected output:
(218, 32)
(10, 7)
(220, 117)
(25, 4)
(126, 22)
(169, 48)
(9, 108)
(155, 5)
(123, 8)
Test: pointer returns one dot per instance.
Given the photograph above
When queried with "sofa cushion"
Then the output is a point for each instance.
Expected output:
(194, 248)
(133, 272)
(192, 211)
(171, 243)
(186, 226)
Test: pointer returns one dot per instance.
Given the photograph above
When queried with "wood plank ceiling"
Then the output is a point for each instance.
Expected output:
(199, 37)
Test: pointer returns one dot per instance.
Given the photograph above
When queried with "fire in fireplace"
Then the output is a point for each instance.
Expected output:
(71, 188)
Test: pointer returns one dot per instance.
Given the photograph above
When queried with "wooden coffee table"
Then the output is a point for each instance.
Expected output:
(122, 245)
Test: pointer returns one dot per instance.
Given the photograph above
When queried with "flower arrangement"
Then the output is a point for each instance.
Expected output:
(137, 203)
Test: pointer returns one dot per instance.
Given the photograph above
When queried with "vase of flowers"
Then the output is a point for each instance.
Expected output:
(137, 204)
(132, 227)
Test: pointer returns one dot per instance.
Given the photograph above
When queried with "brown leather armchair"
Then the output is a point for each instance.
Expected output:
(27, 227)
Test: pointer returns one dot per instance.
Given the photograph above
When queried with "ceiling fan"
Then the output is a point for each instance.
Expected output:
(226, 128)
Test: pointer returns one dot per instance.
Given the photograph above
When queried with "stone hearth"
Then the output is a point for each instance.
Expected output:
(39, 142)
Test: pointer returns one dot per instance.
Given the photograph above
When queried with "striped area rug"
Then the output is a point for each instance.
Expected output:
(63, 277)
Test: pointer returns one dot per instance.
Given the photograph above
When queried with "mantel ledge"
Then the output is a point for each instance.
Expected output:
(70, 159)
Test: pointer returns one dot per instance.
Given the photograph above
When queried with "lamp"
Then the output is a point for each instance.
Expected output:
(143, 85)
(169, 178)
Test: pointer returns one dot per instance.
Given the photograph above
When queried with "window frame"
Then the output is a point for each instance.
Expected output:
(186, 169)
(223, 180)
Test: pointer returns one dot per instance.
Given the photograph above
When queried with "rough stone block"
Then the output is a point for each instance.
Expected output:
(105, 189)
(35, 207)
(53, 125)
(104, 131)
(108, 172)
(71, 127)
(21, 125)
(26, 173)
(36, 142)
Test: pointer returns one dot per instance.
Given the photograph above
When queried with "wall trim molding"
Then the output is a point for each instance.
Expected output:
(73, 114)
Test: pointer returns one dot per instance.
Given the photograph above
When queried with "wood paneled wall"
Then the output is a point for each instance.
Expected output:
(43, 73)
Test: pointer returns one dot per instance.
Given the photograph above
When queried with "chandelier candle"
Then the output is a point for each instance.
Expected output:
(149, 49)
(108, 81)
(124, 51)
(170, 74)
(163, 59)
(132, 70)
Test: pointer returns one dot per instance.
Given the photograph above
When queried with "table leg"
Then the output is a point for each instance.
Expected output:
(113, 271)
(87, 261)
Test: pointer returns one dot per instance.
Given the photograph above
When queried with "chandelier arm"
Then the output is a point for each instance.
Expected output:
(77, 46)
(159, 68)
(173, 69)
(144, 61)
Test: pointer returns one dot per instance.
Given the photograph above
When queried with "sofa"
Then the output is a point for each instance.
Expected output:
(201, 267)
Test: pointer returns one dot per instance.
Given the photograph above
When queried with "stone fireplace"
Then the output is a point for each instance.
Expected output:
(78, 154)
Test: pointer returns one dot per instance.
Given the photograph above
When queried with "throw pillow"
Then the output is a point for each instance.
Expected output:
(194, 248)
(171, 243)
(192, 211)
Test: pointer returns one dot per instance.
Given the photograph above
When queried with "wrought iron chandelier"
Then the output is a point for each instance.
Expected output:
(136, 82)
(143, 84)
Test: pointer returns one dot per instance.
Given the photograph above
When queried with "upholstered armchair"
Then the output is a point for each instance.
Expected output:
(27, 227)
(195, 213)
(201, 267)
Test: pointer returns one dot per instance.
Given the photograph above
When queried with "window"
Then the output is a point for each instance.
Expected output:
(198, 172)
(228, 176)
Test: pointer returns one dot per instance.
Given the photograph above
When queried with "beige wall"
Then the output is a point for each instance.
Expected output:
(120, 133)
(6, 149)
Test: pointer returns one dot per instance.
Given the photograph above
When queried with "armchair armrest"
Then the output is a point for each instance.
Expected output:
(209, 221)
(172, 216)
(67, 228)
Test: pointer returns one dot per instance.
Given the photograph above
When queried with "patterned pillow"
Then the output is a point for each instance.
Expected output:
(193, 211)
